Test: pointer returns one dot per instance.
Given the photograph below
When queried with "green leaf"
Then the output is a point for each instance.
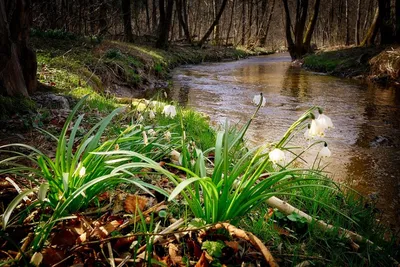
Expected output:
(182, 186)
(43, 191)
(214, 248)
(14, 203)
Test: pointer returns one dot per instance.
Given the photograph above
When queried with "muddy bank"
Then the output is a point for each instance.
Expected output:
(377, 64)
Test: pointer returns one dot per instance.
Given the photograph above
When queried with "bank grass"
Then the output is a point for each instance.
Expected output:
(294, 240)
(343, 62)
(78, 174)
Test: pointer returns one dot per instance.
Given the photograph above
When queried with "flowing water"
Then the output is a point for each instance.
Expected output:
(364, 143)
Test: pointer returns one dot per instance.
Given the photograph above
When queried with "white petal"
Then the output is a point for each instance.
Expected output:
(277, 156)
(152, 115)
(257, 99)
(325, 121)
(316, 129)
(167, 135)
(151, 132)
(169, 111)
(325, 152)
(37, 258)
(82, 171)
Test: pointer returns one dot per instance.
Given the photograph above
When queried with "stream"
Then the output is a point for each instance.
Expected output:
(364, 143)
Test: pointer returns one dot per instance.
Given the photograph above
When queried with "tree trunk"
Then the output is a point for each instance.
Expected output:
(216, 20)
(347, 22)
(264, 37)
(17, 61)
(216, 27)
(230, 23)
(127, 18)
(103, 28)
(288, 31)
(154, 16)
(165, 23)
(369, 38)
(183, 23)
(358, 21)
(386, 29)
(397, 7)
(243, 22)
(311, 26)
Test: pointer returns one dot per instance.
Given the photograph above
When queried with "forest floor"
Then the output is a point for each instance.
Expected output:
(125, 226)
(377, 64)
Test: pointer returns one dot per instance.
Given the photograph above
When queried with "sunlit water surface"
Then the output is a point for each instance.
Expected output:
(364, 143)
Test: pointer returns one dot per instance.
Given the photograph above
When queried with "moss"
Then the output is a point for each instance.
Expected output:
(10, 106)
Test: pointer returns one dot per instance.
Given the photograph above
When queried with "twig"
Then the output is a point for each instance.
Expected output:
(252, 239)
(288, 209)
(63, 260)
(110, 252)
(25, 245)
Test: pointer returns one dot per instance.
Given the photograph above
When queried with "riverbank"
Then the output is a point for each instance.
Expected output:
(377, 64)
(118, 68)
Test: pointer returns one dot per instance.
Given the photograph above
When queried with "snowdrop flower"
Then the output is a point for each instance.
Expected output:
(277, 156)
(152, 115)
(257, 100)
(316, 130)
(140, 118)
(82, 171)
(169, 111)
(167, 135)
(324, 121)
(151, 132)
(145, 140)
(325, 152)
(37, 258)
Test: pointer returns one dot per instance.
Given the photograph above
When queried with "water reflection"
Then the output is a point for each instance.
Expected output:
(364, 143)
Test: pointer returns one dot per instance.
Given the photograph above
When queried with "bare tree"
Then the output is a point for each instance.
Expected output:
(17, 61)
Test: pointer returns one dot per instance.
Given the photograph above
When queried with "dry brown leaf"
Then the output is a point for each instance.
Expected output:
(64, 238)
(132, 202)
(124, 242)
(104, 231)
(173, 253)
(52, 256)
(195, 247)
(203, 262)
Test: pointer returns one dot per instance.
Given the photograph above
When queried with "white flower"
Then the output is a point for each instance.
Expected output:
(167, 135)
(152, 115)
(316, 130)
(277, 156)
(257, 100)
(145, 140)
(325, 152)
(169, 111)
(151, 132)
(82, 171)
(307, 134)
(140, 118)
(324, 121)
(37, 258)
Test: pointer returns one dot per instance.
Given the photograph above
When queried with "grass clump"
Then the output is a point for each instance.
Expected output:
(348, 62)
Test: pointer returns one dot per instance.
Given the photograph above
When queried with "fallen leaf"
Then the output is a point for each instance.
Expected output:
(53, 256)
(173, 253)
(132, 202)
(64, 238)
(203, 262)
(104, 231)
